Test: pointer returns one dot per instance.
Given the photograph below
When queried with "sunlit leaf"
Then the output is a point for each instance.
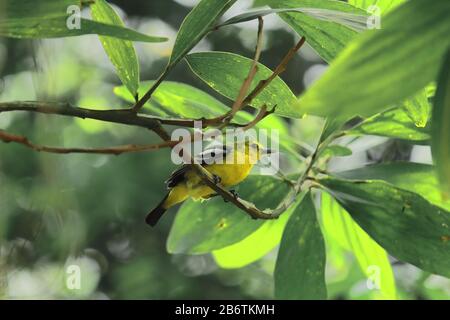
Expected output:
(383, 5)
(32, 8)
(354, 21)
(300, 267)
(375, 70)
(179, 100)
(418, 108)
(338, 224)
(253, 247)
(55, 27)
(440, 145)
(393, 123)
(204, 227)
(225, 72)
(336, 151)
(405, 224)
(197, 24)
(176, 99)
(327, 37)
(121, 52)
(55, 19)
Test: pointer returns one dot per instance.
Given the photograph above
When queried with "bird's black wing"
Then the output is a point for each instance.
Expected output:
(204, 158)
(177, 176)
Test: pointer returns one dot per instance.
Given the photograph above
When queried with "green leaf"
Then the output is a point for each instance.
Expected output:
(414, 177)
(204, 227)
(353, 21)
(179, 100)
(339, 225)
(300, 266)
(32, 8)
(375, 71)
(440, 142)
(393, 123)
(176, 99)
(253, 247)
(121, 52)
(384, 5)
(418, 109)
(56, 27)
(327, 38)
(225, 72)
(336, 151)
(196, 25)
(52, 19)
(405, 224)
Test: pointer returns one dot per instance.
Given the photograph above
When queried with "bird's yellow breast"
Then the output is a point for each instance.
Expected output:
(230, 174)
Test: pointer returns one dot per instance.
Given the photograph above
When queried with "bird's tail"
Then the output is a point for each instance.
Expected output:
(154, 216)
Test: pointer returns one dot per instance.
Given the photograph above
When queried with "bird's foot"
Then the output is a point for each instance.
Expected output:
(234, 193)
(216, 179)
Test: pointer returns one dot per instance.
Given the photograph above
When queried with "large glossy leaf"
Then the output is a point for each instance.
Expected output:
(225, 72)
(341, 228)
(415, 177)
(405, 224)
(328, 38)
(56, 27)
(440, 145)
(253, 247)
(204, 227)
(197, 24)
(383, 5)
(32, 8)
(418, 108)
(376, 71)
(300, 266)
(393, 123)
(354, 21)
(179, 100)
(121, 52)
(176, 99)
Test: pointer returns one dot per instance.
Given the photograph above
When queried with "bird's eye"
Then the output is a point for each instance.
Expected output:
(213, 154)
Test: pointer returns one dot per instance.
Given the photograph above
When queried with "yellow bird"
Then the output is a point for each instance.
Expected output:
(234, 165)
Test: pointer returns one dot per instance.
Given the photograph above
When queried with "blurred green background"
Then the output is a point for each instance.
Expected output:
(88, 210)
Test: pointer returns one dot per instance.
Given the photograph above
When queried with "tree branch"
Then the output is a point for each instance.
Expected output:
(126, 117)
(8, 137)
(250, 208)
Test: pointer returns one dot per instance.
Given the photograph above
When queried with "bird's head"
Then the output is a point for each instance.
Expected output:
(256, 150)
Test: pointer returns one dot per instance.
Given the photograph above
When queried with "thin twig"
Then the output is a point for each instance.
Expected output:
(263, 84)
(278, 70)
(140, 103)
(8, 137)
(250, 208)
(115, 116)
(263, 113)
(253, 70)
(238, 103)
